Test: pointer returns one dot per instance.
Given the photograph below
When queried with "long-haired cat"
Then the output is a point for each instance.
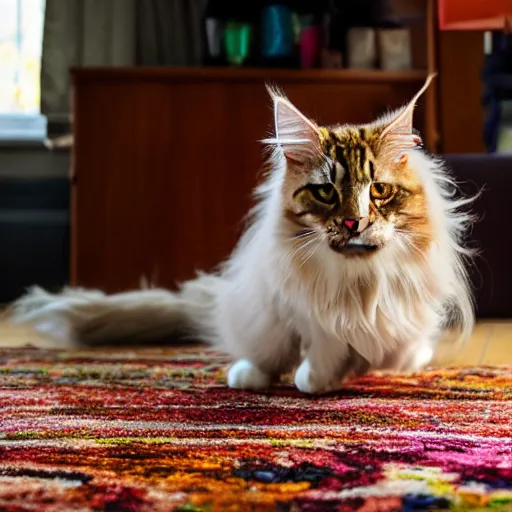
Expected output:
(352, 261)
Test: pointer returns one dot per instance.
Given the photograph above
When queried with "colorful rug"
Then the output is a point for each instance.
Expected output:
(157, 430)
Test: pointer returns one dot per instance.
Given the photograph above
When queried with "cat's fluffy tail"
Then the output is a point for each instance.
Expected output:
(77, 317)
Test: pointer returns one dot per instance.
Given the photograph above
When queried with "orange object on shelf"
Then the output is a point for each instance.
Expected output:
(474, 14)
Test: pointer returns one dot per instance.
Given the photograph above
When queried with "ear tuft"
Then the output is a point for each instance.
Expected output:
(297, 135)
(398, 135)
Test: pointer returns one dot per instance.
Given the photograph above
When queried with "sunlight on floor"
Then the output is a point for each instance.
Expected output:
(491, 344)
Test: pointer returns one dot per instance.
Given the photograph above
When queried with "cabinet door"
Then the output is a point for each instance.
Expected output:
(163, 175)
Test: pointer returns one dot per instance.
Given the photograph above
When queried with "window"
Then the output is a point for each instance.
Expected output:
(21, 35)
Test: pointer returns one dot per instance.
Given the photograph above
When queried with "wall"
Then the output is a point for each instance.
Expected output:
(34, 219)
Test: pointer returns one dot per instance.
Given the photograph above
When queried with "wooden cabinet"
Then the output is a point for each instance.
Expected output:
(165, 159)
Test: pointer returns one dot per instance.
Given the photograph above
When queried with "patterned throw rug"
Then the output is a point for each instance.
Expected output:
(157, 430)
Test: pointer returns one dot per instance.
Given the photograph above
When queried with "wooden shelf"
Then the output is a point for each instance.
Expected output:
(81, 75)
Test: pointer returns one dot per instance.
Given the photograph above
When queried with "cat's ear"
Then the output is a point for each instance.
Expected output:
(398, 135)
(297, 135)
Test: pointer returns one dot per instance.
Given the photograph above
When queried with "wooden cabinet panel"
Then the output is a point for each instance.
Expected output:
(461, 116)
(165, 160)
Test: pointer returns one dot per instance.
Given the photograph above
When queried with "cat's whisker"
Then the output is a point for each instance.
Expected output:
(410, 233)
(411, 237)
(312, 242)
(310, 255)
(301, 242)
(304, 255)
(302, 235)
(320, 239)
(306, 241)
(407, 240)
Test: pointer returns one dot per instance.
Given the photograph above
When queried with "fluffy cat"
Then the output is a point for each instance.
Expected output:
(352, 261)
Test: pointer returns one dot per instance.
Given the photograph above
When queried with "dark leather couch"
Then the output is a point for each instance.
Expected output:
(492, 234)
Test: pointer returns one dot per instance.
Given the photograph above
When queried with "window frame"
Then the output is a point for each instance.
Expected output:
(22, 126)
(19, 127)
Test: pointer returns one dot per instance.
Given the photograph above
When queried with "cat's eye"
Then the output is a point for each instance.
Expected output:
(324, 193)
(382, 192)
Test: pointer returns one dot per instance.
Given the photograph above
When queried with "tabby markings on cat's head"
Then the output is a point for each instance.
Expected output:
(352, 184)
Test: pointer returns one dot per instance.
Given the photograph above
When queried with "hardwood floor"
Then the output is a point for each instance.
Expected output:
(491, 344)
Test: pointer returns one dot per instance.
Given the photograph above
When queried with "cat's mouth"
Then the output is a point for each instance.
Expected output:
(358, 249)
(354, 247)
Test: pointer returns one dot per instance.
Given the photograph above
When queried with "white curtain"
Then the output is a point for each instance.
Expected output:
(114, 33)
(83, 33)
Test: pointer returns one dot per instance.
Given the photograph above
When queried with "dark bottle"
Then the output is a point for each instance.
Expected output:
(278, 39)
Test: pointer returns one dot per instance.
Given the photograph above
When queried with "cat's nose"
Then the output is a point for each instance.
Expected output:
(356, 225)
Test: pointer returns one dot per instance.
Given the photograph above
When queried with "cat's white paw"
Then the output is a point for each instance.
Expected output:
(414, 360)
(306, 383)
(245, 375)
(423, 356)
